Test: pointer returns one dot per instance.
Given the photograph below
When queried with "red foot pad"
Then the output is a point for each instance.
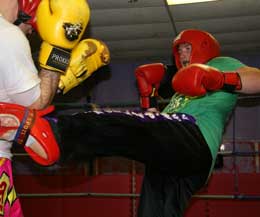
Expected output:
(31, 126)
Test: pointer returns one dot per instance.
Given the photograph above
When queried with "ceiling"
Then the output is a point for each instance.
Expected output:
(144, 29)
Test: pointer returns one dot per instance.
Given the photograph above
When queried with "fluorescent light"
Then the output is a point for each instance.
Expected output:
(178, 2)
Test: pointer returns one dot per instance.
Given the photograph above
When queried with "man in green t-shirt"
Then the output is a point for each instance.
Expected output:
(179, 145)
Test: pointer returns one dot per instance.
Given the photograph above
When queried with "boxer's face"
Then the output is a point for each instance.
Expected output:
(184, 51)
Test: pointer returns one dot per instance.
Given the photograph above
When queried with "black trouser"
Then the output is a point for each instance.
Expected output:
(167, 195)
(174, 151)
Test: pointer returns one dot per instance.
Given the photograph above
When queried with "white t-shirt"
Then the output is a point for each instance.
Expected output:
(19, 81)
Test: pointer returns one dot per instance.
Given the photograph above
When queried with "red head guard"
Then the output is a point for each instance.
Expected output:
(204, 46)
(27, 11)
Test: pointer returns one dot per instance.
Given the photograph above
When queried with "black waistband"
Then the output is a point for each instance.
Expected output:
(148, 116)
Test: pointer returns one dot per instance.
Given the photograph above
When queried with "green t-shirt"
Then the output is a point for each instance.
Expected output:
(212, 110)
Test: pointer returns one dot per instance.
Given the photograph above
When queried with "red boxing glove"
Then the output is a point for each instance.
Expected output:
(30, 126)
(27, 12)
(148, 80)
(197, 79)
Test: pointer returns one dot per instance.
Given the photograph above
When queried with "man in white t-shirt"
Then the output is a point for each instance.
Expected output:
(20, 83)
(25, 90)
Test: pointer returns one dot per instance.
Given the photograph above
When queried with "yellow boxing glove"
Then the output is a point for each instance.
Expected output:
(88, 56)
(60, 24)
